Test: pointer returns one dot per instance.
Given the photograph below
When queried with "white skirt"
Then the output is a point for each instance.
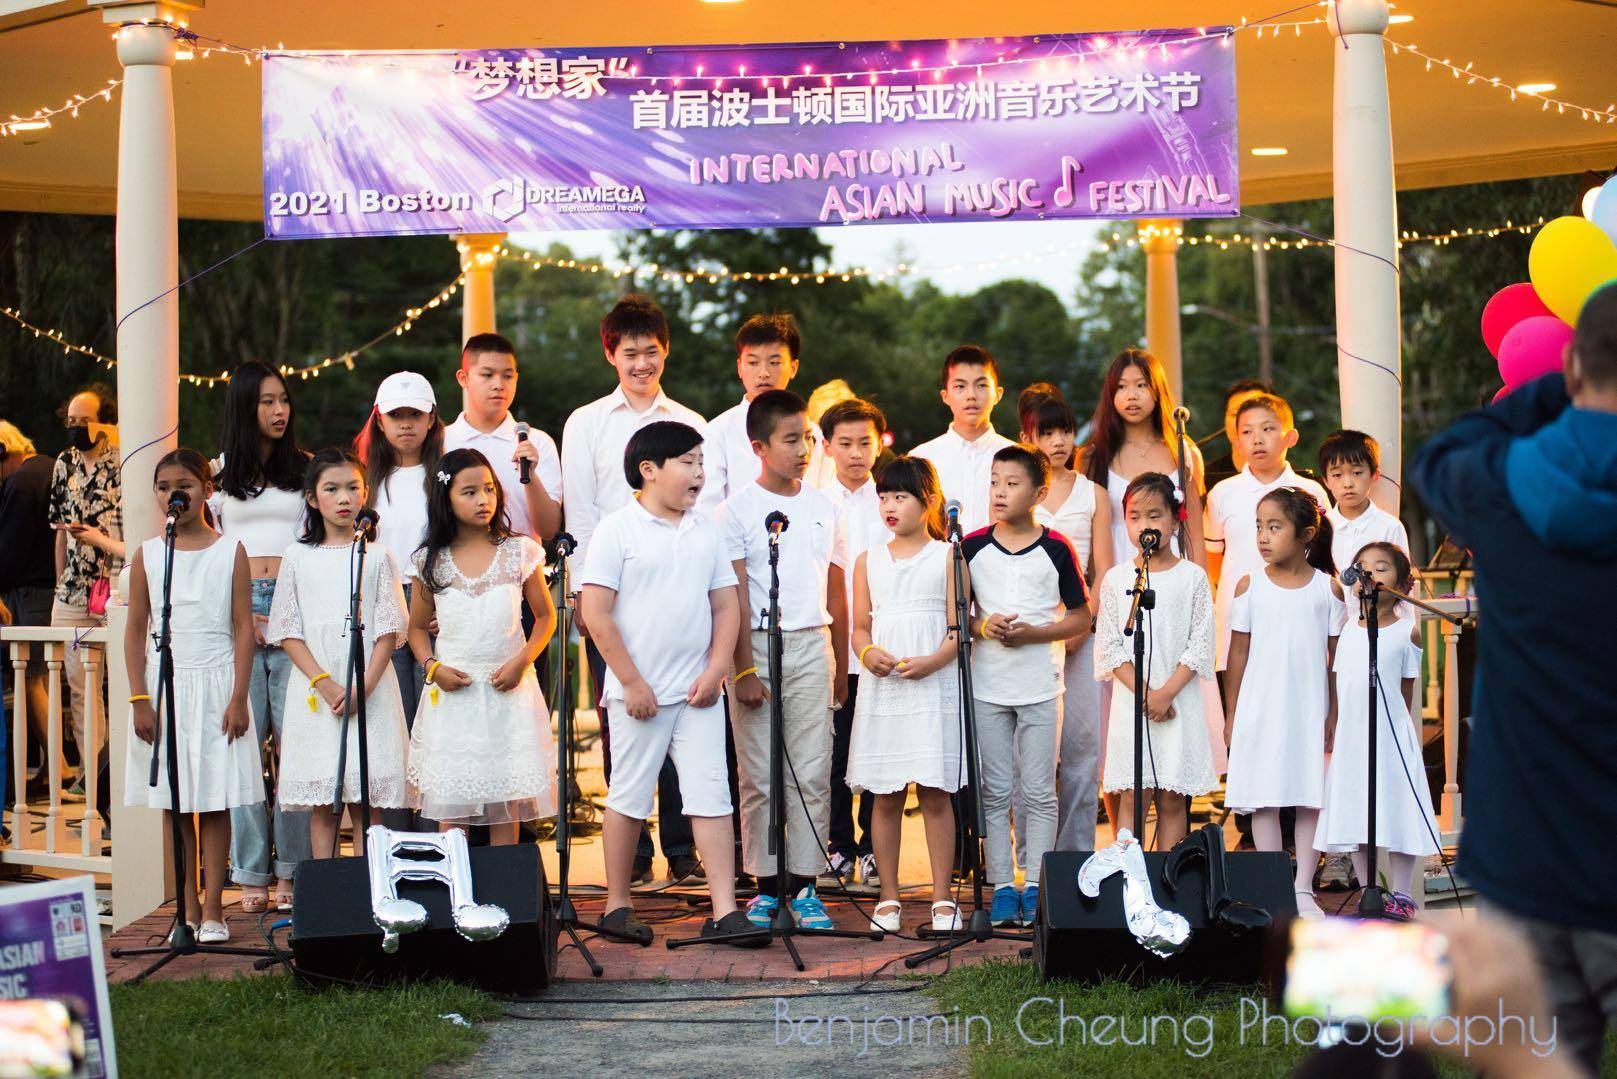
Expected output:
(480, 756)
(215, 773)
(308, 771)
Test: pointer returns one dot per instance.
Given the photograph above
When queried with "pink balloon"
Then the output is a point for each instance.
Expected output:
(1533, 347)
(1509, 305)
(1499, 396)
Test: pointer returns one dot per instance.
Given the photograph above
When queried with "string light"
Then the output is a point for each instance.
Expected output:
(40, 118)
(1471, 77)
(344, 360)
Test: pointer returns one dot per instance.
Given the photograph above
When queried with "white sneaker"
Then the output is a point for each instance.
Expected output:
(1337, 872)
(837, 873)
(867, 870)
(888, 915)
(945, 917)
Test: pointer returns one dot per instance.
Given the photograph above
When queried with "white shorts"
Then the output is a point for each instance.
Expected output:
(693, 736)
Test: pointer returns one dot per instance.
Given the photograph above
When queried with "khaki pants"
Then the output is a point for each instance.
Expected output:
(79, 617)
(806, 718)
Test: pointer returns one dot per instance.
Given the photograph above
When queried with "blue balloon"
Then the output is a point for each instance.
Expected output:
(1604, 211)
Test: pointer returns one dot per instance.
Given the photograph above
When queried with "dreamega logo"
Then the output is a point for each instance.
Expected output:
(506, 200)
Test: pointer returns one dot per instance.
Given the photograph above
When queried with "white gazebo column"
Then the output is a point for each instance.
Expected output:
(1367, 321)
(479, 255)
(1160, 242)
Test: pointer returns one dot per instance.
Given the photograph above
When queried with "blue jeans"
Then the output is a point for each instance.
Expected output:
(252, 839)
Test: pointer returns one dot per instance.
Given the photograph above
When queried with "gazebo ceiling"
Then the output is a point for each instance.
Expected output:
(1444, 132)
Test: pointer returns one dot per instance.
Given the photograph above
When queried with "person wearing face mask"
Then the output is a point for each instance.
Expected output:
(85, 512)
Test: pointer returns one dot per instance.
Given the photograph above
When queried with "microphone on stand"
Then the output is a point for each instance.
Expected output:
(565, 544)
(1150, 540)
(365, 522)
(525, 466)
(775, 524)
(951, 512)
(1181, 415)
(178, 503)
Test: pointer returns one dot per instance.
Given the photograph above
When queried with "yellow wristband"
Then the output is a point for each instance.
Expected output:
(431, 667)
(315, 681)
(743, 674)
(862, 652)
(140, 697)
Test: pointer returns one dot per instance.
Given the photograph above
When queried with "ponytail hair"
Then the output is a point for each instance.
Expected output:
(916, 477)
(1303, 511)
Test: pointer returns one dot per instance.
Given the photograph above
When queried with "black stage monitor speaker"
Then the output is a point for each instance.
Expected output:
(1088, 940)
(334, 934)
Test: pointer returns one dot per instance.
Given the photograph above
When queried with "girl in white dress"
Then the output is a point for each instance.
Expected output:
(211, 635)
(1405, 826)
(309, 620)
(1280, 701)
(1078, 508)
(906, 723)
(481, 749)
(1178, 758)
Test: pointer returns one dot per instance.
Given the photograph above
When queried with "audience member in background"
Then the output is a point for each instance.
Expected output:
(488, 375)
(28, 568)
(259, 504)
(1233, 460)
(85, 511)
(1529, 486)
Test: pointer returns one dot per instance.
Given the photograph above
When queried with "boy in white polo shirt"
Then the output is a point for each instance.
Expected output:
(1030, 598)
(659, 591)
(488, 375)
(851, 432)
(1350, 461)
(1264, 428)
(768, 349)
(964, 454)
(814, 652)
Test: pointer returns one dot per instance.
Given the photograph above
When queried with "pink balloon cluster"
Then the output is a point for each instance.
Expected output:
(1523, 334)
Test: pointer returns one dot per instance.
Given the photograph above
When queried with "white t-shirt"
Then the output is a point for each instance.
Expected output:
(1372, 526)
(592, 445)
(498, 445)
(662, 573)
(728, 461)
(964, 469)
(812, 543)
(863, 529)
(1232, 527)
(401, 508)
(1040, 584)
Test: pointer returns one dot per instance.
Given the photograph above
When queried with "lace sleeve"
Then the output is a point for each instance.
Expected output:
(285, 617)
(389, 616)
(1198, 654)
(532, 556)
(1110, 650)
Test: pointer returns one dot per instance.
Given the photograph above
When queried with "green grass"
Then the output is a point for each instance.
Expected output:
(270, 1026)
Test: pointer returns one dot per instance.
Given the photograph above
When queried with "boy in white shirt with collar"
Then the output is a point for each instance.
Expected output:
(634, 336)
(1265, 430)
(852, 432)
(768, 348)
(814, 651)
(488, 377)
(659, 590)
(1350, 461)
(964, 454)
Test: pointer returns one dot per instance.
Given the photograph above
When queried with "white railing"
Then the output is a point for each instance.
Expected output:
(138, 866)
(1450, 814)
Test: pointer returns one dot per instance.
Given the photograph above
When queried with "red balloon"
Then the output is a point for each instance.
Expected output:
(1532, 348)
(1503, 391)
(1509, 306)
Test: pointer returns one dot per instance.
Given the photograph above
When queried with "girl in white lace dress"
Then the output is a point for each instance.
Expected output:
(906, 723)
(481, 749)
(309, 620)
(1178, 758)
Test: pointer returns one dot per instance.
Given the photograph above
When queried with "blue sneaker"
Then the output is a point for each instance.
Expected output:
(809, 913)
(761, 910)
(1007, 908)
(1030, 904)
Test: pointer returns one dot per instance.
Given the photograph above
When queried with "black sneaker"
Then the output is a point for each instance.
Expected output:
(686, 869)
(735, 925)
(745, 882)
(623, 926)
(641, 874)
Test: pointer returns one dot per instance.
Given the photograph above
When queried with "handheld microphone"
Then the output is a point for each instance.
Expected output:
(178, 503)
(526, 466)
(775, 524)
(565, 544)
(1181, 415)
(365, 522)
(1150, 540)
(951, 513)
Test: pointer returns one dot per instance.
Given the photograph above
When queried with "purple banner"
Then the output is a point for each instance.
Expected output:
(507, 140)
(50, 946)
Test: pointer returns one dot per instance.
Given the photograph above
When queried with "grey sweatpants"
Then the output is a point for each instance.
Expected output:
(1018, 741)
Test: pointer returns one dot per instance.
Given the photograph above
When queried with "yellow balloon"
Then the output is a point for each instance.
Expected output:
(1570, 258)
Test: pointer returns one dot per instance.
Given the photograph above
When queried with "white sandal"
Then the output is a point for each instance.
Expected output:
(889, 921)
(949, 920)
(213, 933)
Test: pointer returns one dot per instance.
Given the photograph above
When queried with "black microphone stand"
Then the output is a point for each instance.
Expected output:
(782, 927)
(1145, 599)
(567, 919)
(364, 532)
(978, 928)
(182, 941)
